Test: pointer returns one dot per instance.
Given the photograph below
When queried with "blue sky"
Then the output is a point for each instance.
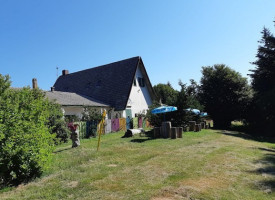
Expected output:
(174, 38)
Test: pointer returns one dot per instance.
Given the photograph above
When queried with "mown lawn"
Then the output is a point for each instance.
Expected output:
(205, 165)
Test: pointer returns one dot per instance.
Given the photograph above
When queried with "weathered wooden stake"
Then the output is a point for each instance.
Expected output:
(173, 133)
(180, 129)
(166, 129)
(156, 132)
(203, 125)
(197, 127)
(192, 125)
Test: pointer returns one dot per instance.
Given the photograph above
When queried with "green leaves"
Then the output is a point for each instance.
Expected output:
(263, 83)
(224, 93)
(26, 143)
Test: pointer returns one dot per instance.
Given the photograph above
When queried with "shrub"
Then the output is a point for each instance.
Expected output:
(26, 144)
(57, 123)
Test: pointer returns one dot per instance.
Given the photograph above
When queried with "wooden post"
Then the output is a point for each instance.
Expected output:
(203, 125)
(192, 125)
(180, 129)
(173, 133)
(197, 127)
(157, 132)
(166, 129)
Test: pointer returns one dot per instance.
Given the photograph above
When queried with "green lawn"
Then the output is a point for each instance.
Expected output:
(204, 165)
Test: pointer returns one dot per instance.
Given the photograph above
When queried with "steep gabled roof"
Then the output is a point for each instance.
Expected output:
(109, 83)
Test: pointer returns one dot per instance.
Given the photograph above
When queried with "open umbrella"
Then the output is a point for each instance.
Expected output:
(197, 112)
(164, 109)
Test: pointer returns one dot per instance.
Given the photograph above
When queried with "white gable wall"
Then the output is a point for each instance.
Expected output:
(139, 98)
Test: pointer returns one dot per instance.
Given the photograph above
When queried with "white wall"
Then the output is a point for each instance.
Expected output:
(139, 98)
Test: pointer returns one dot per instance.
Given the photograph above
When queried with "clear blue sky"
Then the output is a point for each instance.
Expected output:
(174, 38)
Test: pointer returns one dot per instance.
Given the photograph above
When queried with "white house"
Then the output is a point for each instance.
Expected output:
(122, 88)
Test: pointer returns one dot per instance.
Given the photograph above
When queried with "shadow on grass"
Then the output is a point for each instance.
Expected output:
(266, 170)
(63, 149)
(248, 136)
(141, 140)
(146, 136)
(266, 164)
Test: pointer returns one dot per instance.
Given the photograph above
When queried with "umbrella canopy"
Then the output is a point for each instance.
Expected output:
(203, 114)
(195, 111)
(164, 109)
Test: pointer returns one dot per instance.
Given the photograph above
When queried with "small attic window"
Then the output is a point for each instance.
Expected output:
(135, 82)
(141, 82)
(98, 83)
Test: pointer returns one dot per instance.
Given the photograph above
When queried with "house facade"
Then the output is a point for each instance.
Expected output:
(122, 88)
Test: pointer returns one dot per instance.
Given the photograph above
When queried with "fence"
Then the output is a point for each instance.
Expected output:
(89, 128)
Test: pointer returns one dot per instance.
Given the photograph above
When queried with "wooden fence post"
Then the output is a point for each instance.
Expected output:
(173, 133)
(192, 125)
(180, 129)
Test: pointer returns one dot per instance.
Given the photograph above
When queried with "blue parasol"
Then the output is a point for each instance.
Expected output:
(197, 112)
(164, 109)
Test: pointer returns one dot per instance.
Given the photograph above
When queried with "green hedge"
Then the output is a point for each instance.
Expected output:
(26, 142)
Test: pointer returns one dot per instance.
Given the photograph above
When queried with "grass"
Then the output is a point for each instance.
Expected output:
(204, 165)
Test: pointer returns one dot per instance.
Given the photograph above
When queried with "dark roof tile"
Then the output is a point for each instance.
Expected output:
(115, 82)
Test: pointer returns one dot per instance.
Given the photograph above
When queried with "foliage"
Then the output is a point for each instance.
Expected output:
(166, 93)
(57, 123)
(187, 97)
(71, 118)
(91, 114)
(224, 93)
(263, 83)
(155, 120)
(25, 141)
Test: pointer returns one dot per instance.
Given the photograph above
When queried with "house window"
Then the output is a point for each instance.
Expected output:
(141, 82)
(135, 82)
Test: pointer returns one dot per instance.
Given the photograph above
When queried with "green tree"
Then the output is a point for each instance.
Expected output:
(224, 93)
(263, 83)
(56, 123)
(166, 93)
(187, 97)
(27, 124)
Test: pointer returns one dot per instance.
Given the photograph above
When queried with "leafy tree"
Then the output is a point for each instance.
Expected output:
(187, 97)
(166, 93)
(154, 119)
(25, 140)
(57, 123)
(224, 93)
(263, 83)
(29, 124)
(91, 114)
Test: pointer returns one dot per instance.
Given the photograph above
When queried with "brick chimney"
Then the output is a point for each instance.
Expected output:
(65, 72)
(34, 83)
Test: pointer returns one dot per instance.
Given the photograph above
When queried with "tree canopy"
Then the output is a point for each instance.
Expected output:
(263, 83)
(224, 93)
(28, 127)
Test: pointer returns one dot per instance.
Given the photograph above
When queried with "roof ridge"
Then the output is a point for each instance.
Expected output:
(103, 65)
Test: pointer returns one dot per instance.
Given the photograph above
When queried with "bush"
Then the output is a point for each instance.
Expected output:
(57, 123)
(26, 144)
